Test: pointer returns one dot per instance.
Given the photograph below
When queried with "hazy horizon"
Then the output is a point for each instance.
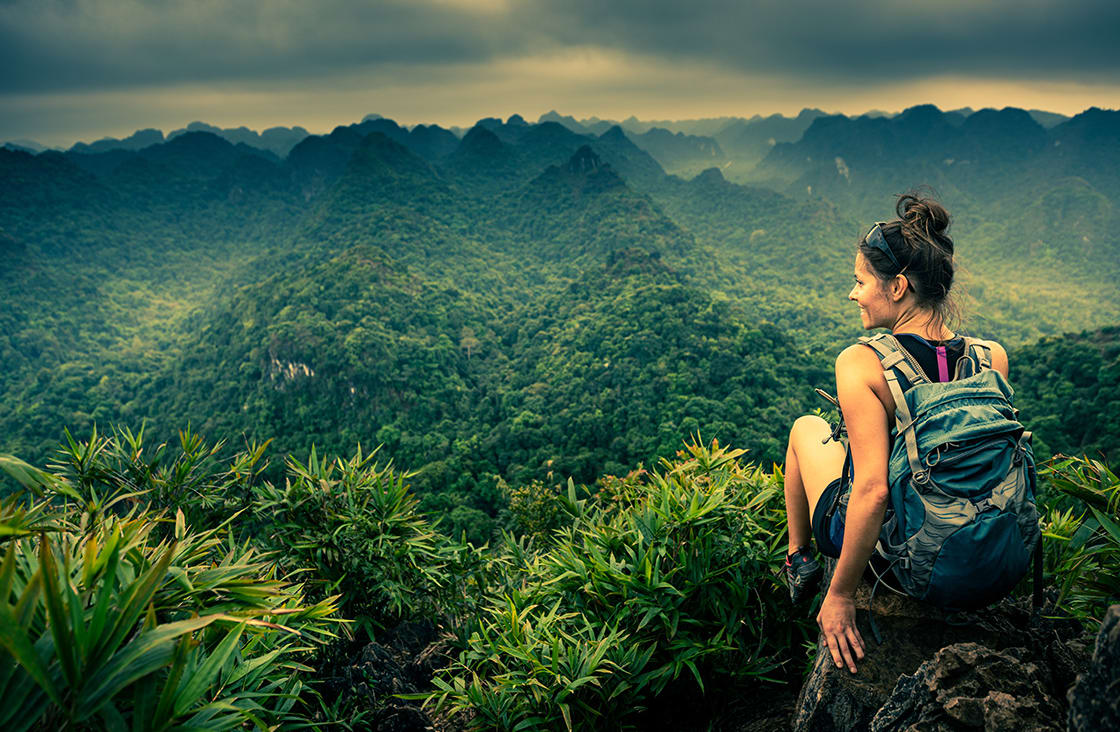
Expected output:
(327, 126)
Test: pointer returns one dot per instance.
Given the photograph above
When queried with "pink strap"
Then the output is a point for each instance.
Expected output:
(942, 365)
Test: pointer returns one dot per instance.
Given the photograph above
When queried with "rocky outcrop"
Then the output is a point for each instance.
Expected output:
(919, 670)
(969, 686)
(402, 662)
(1094, 702)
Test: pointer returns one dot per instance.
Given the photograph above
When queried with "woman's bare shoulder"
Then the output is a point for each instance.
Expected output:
(999, 356)
(857, 354)
(858, 358)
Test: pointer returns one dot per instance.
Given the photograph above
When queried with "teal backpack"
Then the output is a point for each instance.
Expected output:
(961, 526)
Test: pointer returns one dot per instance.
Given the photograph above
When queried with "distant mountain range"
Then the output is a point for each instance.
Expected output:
(520, 298)
(982, 163)
(980, 159)
(720, 140)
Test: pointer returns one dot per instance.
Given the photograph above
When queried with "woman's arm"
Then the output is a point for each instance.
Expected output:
(868, 438)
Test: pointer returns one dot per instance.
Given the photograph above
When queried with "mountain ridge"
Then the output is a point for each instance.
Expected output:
(257, 291)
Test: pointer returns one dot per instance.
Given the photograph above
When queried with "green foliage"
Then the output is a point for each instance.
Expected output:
(21, 517)
(535, 509)
(357, 525)
(1068, 389)
(111, 621)
(482, 315)
(656, 576)
(1083, 536)
(529, 667)
(106, 473)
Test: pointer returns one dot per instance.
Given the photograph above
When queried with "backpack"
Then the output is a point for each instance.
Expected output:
(961, 523)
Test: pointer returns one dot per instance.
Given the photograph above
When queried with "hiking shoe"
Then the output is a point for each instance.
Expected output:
(803, 573)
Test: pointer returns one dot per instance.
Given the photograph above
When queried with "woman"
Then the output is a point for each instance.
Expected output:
(904, 274)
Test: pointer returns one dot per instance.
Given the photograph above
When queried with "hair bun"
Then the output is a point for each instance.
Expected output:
(922, 214)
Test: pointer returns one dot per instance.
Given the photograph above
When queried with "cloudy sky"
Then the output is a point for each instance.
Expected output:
(85, 69)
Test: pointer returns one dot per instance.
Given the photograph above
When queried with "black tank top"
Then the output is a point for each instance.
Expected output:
(925, 352)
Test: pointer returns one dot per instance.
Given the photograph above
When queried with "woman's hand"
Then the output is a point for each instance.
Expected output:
(837, 620)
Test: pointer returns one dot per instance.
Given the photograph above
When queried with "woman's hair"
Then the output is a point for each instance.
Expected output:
(919, 240)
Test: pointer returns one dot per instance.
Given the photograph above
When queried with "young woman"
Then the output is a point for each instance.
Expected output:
(903, 277)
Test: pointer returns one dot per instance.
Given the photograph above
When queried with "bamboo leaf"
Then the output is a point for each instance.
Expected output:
(33, 478)
(151, 650)
(7, 575)
(208, 672)
(64, 645)
(105, 597)
(23, 706)
(14, 638)
(1108, 524)
(162, 714)
(134, 603)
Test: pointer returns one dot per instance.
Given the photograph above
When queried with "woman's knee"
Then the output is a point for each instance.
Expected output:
(809, 444)
(808, 425)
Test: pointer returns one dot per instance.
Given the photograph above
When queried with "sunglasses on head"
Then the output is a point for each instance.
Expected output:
(875, 240)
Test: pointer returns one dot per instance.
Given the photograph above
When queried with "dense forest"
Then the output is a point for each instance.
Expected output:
(525, 337)
(505, 304)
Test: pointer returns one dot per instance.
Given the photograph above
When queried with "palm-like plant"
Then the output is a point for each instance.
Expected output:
(137, 620)
(107, 472)
(1083, 539)
(358, 525)
(660, 575)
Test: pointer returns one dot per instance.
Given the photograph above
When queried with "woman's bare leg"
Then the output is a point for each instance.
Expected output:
(811, 465)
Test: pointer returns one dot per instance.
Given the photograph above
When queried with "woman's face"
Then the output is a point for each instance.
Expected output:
(875, 308)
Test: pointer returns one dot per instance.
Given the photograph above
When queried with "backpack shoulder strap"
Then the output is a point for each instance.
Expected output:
(977, 356)
(893, 358)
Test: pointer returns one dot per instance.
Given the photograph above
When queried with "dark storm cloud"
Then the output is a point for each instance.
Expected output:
(66, 45)
(104, 44)
(861, 40)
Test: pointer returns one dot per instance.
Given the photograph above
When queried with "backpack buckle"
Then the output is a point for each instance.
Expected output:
(921, 477)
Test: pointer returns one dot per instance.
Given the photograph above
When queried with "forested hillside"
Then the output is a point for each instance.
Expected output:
(1069, 393)
(524, 302)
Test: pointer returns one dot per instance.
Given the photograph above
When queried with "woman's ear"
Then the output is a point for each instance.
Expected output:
(898, 287)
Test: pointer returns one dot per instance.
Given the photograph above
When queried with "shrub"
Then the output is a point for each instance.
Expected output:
(1082, 534)
(660, 574)
(356, 524)
(534, 508)
(109, 473)
(116, 618)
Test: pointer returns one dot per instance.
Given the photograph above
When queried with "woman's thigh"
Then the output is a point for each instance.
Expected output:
(818, 462)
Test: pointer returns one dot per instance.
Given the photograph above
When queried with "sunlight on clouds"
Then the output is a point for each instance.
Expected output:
(474, 6)
(956, 92)
(589, 65)
(582, 81)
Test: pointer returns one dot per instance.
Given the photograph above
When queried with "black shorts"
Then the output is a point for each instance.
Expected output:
(828, 529)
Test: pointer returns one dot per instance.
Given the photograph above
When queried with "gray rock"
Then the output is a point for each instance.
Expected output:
(968, 686)
(913, 632)
(1094, 701)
